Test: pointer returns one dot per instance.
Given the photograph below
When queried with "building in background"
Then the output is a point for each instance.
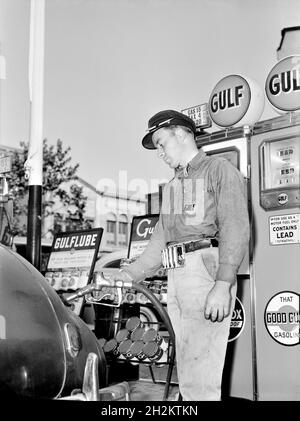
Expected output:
(154, 200)
(113, 211)
(106, 208)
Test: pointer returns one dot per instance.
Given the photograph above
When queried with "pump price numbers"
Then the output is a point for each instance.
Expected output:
(199, 114)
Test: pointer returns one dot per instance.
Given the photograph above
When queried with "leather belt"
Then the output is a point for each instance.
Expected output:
(174, 255)
(200, 244)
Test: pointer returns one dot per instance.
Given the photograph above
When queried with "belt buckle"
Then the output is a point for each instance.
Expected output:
(173, 256)
(180, 255)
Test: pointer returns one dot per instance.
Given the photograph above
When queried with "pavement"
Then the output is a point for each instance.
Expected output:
(149, 388)
(149, 383)
(148, 391)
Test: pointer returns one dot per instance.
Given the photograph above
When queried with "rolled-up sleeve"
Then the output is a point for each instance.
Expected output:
(150, 260)
(232, 219)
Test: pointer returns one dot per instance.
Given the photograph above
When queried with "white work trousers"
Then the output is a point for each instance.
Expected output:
(200, 343)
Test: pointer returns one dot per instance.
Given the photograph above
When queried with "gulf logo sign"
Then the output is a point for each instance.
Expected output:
(283, 84)
(236, 100)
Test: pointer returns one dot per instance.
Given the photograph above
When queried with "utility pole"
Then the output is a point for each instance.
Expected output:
(34, 163)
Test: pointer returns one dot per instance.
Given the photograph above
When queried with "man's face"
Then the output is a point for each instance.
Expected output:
(169, 146)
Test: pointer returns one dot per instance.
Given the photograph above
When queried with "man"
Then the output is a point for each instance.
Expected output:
(201, 238)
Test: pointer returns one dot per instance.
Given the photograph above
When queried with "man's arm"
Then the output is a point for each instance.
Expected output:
(233, 225)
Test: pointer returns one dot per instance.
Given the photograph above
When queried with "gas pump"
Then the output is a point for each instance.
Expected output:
(275, 186)
(262, 353)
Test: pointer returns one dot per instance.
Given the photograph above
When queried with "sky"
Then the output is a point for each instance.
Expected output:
(111, 64)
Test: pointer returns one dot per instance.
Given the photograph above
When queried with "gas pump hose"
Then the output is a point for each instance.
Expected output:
(165, 317)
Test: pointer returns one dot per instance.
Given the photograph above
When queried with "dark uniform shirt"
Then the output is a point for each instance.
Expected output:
(205, 200)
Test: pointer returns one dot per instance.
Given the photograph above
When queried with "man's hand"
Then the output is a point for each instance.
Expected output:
(218, 301)
(121, 276)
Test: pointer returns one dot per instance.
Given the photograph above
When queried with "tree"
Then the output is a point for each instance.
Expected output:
(58, 172)
(75, 203)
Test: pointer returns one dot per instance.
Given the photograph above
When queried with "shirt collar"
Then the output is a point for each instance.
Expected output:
(196, 160)
(194, 163)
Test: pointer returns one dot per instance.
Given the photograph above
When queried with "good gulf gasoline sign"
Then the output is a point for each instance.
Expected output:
(282, 318)
(283, 84)
(236, 99)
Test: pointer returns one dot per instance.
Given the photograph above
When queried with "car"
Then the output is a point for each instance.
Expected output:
(111, 263)
(45, 348)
